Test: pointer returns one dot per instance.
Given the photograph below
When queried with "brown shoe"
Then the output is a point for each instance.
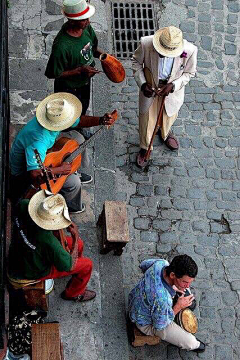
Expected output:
(86, 296)
(141, 162)
(172, 142)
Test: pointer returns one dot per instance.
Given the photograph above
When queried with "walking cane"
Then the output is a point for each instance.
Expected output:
(157, 126)
(150, 81)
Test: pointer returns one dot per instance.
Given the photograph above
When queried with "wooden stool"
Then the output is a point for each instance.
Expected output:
(46, 342)
(137, 338)
(114, 223)
(35, 296)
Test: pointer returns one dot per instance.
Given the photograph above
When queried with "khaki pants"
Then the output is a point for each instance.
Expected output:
(148, 121)
(173, 334)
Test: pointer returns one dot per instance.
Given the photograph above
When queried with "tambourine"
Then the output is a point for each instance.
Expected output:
(187, 320)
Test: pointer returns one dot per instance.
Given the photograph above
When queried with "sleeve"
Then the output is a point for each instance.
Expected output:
(94, 38)
(76, 123)
(30, 155)
(189, 71)
(137, 65)
(57, 256)
(146, 264)
(57, 62)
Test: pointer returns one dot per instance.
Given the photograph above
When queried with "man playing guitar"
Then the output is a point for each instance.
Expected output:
(57, 112)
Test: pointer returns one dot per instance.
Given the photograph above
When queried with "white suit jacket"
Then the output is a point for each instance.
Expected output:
(182, 71)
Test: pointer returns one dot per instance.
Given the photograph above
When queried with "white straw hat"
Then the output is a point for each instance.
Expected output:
(77, 9)
(168, 41)
(49, 211)
(58, 111)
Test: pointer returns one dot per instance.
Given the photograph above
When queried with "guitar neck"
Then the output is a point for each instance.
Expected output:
(83, 146)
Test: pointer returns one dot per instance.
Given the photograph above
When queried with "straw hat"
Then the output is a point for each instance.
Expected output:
(58, 111)
(49, 211)
(77, 9)
(168, 41)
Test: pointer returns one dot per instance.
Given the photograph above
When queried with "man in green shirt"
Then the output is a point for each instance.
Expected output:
(36, 253)
(71, 62)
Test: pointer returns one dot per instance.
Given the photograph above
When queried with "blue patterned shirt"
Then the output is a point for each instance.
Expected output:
(150, 302)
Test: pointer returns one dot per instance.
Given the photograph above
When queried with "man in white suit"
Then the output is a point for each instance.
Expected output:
(162, 64)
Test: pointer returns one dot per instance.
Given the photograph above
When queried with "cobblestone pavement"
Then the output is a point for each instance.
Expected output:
(188, 201)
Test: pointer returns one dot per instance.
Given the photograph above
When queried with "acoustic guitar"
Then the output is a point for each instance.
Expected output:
(69, 151)
(58, 233)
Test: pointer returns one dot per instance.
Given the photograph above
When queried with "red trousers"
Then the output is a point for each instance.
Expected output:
(80, 274)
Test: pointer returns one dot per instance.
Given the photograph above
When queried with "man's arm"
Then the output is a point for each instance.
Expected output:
(137, 65)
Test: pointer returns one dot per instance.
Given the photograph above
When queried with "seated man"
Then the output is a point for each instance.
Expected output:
(54, 114)
(36, 254)
(151, 301)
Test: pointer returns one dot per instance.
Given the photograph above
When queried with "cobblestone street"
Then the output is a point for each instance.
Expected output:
(188, 202)
(184, 202)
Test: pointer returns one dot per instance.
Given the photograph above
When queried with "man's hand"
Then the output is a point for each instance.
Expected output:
(72, 228)
(184, 302)
(108, 119)
(87, 70)
(147, 90)
(165, 90)
(64, 169)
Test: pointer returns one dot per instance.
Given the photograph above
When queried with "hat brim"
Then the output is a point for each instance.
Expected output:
(88, 14)
(62, 124)
(50, 224)
(163, 51)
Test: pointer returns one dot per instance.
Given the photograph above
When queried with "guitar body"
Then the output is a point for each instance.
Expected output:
(57, 155)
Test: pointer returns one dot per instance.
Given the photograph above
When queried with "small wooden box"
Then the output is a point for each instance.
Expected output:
(114, 223)
(46, 342)
(35, 296)
(137, 338)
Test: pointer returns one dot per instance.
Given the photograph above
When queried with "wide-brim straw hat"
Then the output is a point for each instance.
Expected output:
(168, 41)
(77, 9)
(58, 111)
(49, 211)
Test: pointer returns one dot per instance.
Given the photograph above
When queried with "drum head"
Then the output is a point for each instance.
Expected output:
(189, 321)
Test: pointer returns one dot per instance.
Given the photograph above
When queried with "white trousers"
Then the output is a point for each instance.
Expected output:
(173, 334)
(148, 121)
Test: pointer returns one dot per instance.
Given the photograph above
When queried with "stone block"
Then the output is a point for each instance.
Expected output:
(228, 174)
(188, 26)
(223, 184)
(224, 352)
(231, 30)
(163, 225)
(234, 6)
(137, 201)
(208, 240)
(145, 190)
(149, 236)
(204, 17)
(214, 215)
(142, 223)
(195, 193)
(204, 29)
(221, 143)
(169, 237)
(212, 195)
(203, 98)
(201, 226)
(219, 27)
(223, 131)
(217, 5)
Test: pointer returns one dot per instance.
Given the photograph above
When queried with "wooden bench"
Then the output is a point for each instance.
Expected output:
(114, 223)
(46, 342)
(137, 338)
(35, 296)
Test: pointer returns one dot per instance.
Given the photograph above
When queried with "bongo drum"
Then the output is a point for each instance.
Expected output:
(187, 320)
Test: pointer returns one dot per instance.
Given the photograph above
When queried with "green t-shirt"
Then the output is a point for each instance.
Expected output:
(34, 251)
(69, 52)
